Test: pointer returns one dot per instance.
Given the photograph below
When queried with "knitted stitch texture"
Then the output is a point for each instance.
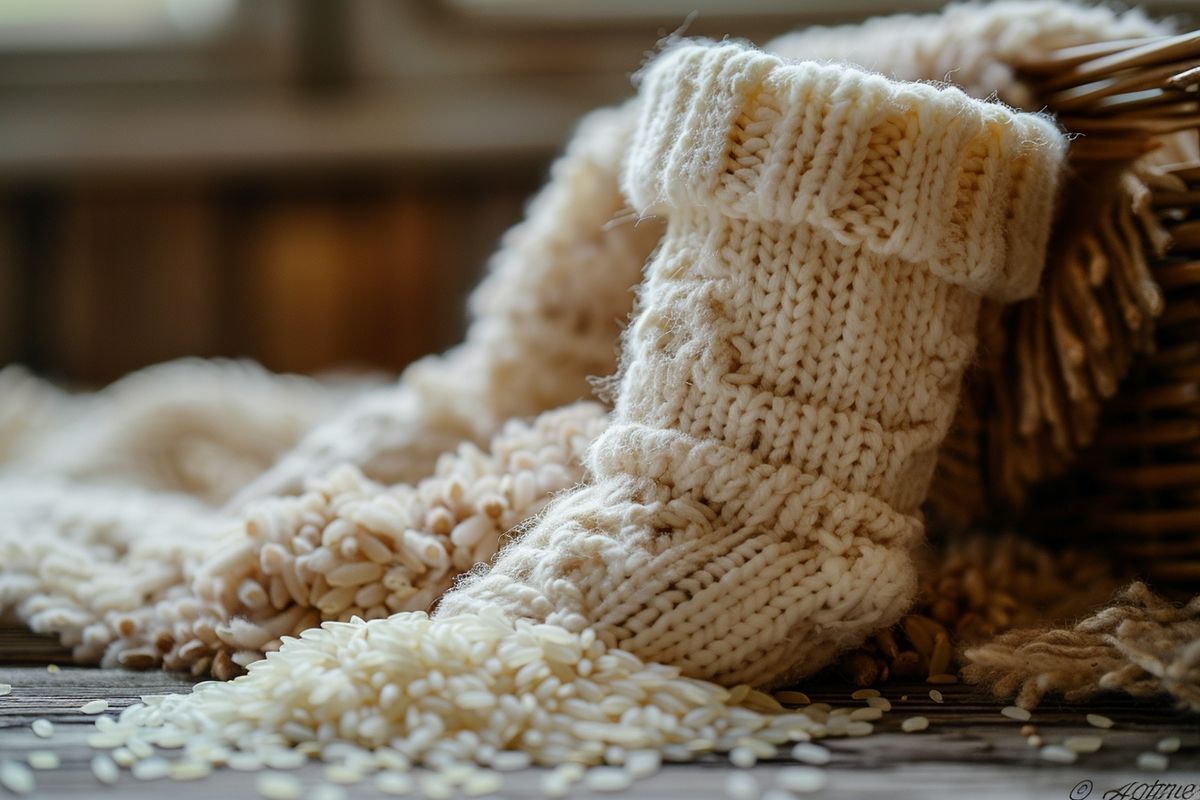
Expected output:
(794, 364)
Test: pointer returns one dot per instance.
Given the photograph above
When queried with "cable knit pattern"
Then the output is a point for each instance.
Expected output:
(795, 362)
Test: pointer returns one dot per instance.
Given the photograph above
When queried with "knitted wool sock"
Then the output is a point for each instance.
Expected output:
(795, 362)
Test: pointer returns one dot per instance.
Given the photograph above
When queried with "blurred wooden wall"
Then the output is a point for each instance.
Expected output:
(101, 277)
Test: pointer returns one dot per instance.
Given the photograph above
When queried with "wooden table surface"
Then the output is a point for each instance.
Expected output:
(969, 751)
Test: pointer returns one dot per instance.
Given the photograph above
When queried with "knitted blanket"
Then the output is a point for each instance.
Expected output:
(167, 539)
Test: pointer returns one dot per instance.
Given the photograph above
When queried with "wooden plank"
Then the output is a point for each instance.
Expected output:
(970, 750)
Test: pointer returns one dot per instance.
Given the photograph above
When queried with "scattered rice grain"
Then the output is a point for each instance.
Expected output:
(105, 769)
(44, 759)
(1153, 761)
(343, 774)
(859, 727)
(801, 779)
(741, 786)
(1099, 721)
(188, 770)
(642, 763)
(151, 769)
(607, 779)
(1057, 754)
(1017, 713)
(482, 782)
(392, 782)
(17, 778)
(5, 688)
(278, 786)
(863, 694)
(327, 791)
(94, 707)
(434, 787)
(42, 728)
(1083, 744)
(914, 724)
(1168, 745)
(811, 754)
(934, 695)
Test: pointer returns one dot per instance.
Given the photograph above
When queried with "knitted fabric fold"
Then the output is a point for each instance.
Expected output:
(794, 363)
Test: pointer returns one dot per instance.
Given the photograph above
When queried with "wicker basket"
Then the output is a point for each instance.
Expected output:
(1083, 418)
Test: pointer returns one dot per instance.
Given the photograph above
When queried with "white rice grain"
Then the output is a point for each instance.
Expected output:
(801, 779)
(607, 779)
(43, 759)
(1169, 745)
(1083, 744)
(42, 728)
(811, 754)
(1057, 754)
(1016, 713)
(105, 770)
(1153, 761)
(278, 786)
(396, 783)
(17, 778)
(742, 786)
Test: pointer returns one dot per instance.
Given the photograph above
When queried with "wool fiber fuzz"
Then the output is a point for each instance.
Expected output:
(794, 363)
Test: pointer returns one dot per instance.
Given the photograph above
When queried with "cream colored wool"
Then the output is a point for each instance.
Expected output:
(793, 366)
(548, 315)
(348, 547)
(191, 426)
(135, 579)
(74, 557)
(545, 320)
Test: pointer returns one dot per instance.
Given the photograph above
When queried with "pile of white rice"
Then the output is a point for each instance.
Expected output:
(457, 694)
